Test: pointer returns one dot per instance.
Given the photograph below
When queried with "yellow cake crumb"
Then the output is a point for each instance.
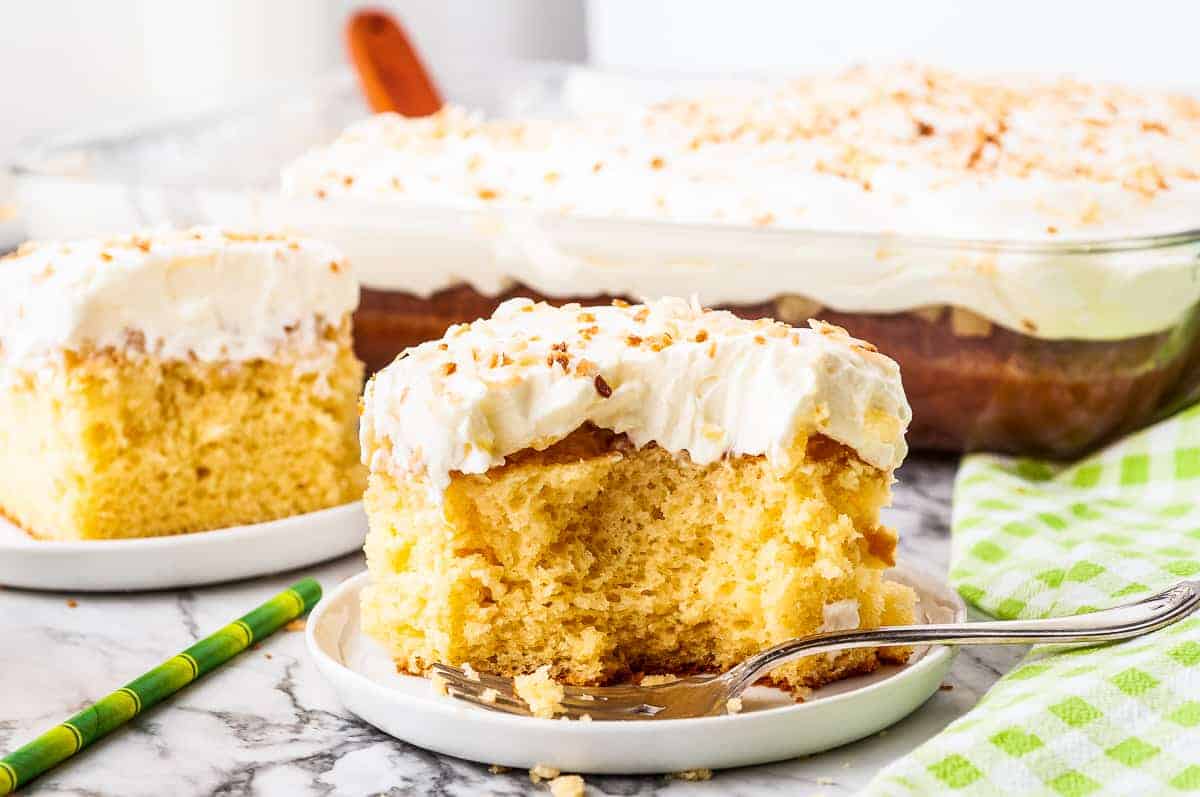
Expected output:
(567, 786)
(693, 774)
(542, 772)
(657, 680)
(489, 696)
(733, 705)
(440, 685)
(540, 692)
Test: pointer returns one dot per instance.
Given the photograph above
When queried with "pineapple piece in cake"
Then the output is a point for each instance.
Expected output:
(589, 493)
(174, 383)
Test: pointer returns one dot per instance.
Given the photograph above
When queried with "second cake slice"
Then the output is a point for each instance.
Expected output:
(175, 382)
(630, 489)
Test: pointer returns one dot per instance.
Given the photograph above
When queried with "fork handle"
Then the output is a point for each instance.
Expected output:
(1109, 625)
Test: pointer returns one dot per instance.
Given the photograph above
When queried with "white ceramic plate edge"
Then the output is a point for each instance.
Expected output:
(453, 728)
(183, 560)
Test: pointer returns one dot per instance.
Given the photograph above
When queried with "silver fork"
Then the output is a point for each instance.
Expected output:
(707, 695)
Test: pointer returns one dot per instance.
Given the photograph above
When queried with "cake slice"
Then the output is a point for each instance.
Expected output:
(174, 383)
(630, 489)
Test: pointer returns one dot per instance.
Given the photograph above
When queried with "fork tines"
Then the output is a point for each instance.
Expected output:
(497, 693)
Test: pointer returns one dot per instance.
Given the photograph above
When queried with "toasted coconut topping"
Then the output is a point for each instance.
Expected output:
(740, 388)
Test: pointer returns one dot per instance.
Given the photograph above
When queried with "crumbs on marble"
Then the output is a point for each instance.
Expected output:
(560, 785)
(567, 786)
(692, 775)
(72, 603)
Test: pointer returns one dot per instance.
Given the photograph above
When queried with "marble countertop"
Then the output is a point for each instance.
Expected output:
(267, 724)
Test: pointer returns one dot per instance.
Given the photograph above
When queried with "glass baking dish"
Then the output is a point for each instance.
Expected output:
(1023, 347)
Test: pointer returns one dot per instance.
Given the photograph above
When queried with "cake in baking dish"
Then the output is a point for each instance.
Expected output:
(175, 382)
(1039, 348)
(630, 489)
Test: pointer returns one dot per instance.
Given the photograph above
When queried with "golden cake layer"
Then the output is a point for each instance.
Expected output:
(604, 560)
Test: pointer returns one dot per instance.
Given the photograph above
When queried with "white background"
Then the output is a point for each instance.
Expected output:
(1146, 41)
(67, 63)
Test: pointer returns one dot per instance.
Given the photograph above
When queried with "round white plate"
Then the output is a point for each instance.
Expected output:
(183, 560)
(770, 728)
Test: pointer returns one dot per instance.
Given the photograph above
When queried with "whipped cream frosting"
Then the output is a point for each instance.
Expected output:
(902, 149)
(907, 150)
(202, 294)
(702, 382)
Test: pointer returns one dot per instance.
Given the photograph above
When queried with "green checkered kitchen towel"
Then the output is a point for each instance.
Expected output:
(1037, 540)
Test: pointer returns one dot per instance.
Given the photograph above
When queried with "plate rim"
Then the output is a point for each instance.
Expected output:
(180, 561)
(934, 657)
(27, 542)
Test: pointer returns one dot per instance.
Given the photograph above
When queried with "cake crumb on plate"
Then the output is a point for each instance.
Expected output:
(540, 692)
(657, 680)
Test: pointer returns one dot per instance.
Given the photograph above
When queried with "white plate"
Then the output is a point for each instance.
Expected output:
(770, 728)
(184, 560)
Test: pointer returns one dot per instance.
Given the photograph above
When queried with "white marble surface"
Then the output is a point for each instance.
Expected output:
(266, 724)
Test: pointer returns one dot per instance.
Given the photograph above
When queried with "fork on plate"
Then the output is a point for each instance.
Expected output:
(708, 695)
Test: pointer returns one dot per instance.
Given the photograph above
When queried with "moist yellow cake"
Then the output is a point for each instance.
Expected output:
(176, 382)
(630, 489)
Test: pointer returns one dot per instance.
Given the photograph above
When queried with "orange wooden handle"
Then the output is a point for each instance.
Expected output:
(389, 69)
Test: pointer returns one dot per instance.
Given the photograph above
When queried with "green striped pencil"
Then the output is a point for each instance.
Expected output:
(111, 712)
